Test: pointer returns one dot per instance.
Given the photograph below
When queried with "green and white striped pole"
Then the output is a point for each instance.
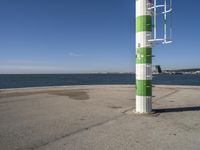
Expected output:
(143, 56)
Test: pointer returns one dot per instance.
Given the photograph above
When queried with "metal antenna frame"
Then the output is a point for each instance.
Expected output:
(165, 12)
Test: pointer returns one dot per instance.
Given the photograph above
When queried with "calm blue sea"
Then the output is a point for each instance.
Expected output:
(39, 80)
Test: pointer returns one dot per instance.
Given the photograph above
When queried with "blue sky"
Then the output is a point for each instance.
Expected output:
(80, 36)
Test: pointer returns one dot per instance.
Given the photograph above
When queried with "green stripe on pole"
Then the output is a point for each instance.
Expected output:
(143, 55)
(143, 87)
(143, 23)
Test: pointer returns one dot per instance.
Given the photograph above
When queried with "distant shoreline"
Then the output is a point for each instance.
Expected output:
(42, 80)
(38, 89)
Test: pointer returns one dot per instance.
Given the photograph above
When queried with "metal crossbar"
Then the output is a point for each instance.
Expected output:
(166, 11)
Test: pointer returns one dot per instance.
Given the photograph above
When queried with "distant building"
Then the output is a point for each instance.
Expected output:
(157, 69)
(197, 72)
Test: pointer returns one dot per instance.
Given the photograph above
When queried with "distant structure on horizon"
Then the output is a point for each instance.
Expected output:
(156, 69)
(183, 71)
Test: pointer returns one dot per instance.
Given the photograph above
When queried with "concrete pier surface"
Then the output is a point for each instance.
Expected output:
(98, 117)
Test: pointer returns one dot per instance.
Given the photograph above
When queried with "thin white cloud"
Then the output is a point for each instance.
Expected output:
(74, 54)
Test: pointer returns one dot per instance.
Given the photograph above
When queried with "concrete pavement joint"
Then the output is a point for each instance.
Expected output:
(167, 95)
(78, 131)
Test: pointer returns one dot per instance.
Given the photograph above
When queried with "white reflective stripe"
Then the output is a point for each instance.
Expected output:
(143, 104)
(143, 71)
(142, 8)
(142, 39)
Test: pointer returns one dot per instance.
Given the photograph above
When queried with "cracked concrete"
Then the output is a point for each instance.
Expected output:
(98, 118)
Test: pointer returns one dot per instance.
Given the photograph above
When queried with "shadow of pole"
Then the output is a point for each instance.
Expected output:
(181, 109)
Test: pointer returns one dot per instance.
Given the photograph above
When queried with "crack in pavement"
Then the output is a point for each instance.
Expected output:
(167, 95)
(123, 113)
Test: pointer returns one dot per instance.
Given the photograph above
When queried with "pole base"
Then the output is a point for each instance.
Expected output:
(144, 113)
(143, 104)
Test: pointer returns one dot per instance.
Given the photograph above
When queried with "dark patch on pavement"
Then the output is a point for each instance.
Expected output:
(73, 94)
(115, 107)
(15, 94)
